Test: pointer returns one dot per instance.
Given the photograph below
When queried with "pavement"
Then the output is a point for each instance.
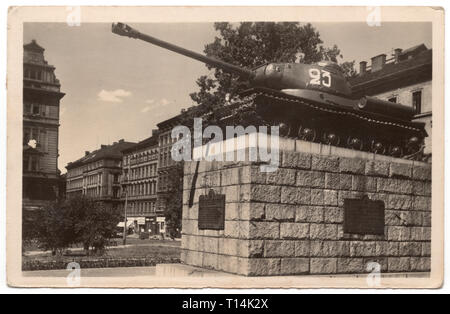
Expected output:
(96, 272)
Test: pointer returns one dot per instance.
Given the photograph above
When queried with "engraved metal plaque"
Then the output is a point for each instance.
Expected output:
(211, 211)
(364, 216)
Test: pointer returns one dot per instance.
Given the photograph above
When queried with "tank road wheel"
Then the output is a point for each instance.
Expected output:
(331, 138)
(395, 151)
(354, 142)
(414, 145)
(284, 129)
(377, 147)
(307, 134)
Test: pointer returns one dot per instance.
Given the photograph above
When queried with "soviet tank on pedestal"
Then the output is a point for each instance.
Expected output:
(314, 102)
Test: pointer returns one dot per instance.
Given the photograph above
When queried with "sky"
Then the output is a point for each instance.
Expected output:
(121, 88)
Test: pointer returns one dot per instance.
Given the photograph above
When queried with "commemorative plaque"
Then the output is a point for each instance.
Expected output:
(364, 216)
(211, 211)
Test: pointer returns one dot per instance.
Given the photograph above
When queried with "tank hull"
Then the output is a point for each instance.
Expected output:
(331, 120)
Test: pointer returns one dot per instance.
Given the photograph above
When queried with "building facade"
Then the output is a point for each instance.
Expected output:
(140, 176)
(97, 174)
(170, 176)
(404, 78)
(41, 101)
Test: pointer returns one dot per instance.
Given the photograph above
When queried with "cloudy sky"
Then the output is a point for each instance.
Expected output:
(118, 87)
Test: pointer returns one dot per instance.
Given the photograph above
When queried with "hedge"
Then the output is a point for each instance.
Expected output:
(34, 265)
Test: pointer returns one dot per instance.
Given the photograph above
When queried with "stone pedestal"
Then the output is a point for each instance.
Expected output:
(290, 222)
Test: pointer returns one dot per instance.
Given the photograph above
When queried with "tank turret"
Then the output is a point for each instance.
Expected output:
(314, 102)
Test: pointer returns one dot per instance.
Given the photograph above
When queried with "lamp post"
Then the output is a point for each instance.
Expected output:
(125, 188)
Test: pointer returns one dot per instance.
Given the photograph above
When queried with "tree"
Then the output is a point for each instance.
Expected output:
(349, 68)
(54, 227)
(174, 203)
(75, 220)
(250, 45)
(96, 223)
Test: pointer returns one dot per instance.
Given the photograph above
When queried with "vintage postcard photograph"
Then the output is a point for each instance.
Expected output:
(225, 147)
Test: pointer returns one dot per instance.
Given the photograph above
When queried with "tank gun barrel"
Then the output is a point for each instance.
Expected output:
(127, 31)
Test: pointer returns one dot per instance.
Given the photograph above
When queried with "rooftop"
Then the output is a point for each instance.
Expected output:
(412, 58)
(113, 151)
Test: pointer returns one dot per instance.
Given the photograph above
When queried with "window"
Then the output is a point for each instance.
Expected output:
(417, 101)
(35, 109)
(25, 163)
(393, 99)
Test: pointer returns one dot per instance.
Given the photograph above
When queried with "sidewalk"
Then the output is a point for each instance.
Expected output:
(35, 253)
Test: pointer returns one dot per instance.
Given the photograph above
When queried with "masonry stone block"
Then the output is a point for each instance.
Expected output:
(422, 203)
(323, 265)
(330, 248)
(296, 160)
(230, 176)
(422, 172)
(265, 193)
(377, 168)
(363, 248)
(251, 248)
(399, 201)
(421, 264)
(280, 212)
(236, 229)
(310, 178)
(410, 249)
(324, 232)
(282, 176)
(421, 234)
(333, 215)
(309, 213)
(294, 266)
(400, 170)
(399, 233)
(251, 211)
(302, 248)
(364, 184)
(325, 163)
(372, 264)
(399, 264)
(394, 186)
(426, 249)
(279, 248)
(297, 231)
(210, 261)
(292, 195)
(350, 265)
(252, 174)
(384, 248)
(264, 230)
(330, 197)
(426, 219)
(351, 165)
(264, 266)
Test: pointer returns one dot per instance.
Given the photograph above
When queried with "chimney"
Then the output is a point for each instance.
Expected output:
(397, 53)
(154, 132)
(362, 67)
(103, 146)
(86, 153)
(378, 62)
(121, 140)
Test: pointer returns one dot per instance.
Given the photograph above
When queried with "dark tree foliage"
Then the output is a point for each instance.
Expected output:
(174, 203)
(250, 45)
(76, 220)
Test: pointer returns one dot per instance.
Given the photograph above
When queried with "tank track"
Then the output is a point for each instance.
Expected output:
(329, 124)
